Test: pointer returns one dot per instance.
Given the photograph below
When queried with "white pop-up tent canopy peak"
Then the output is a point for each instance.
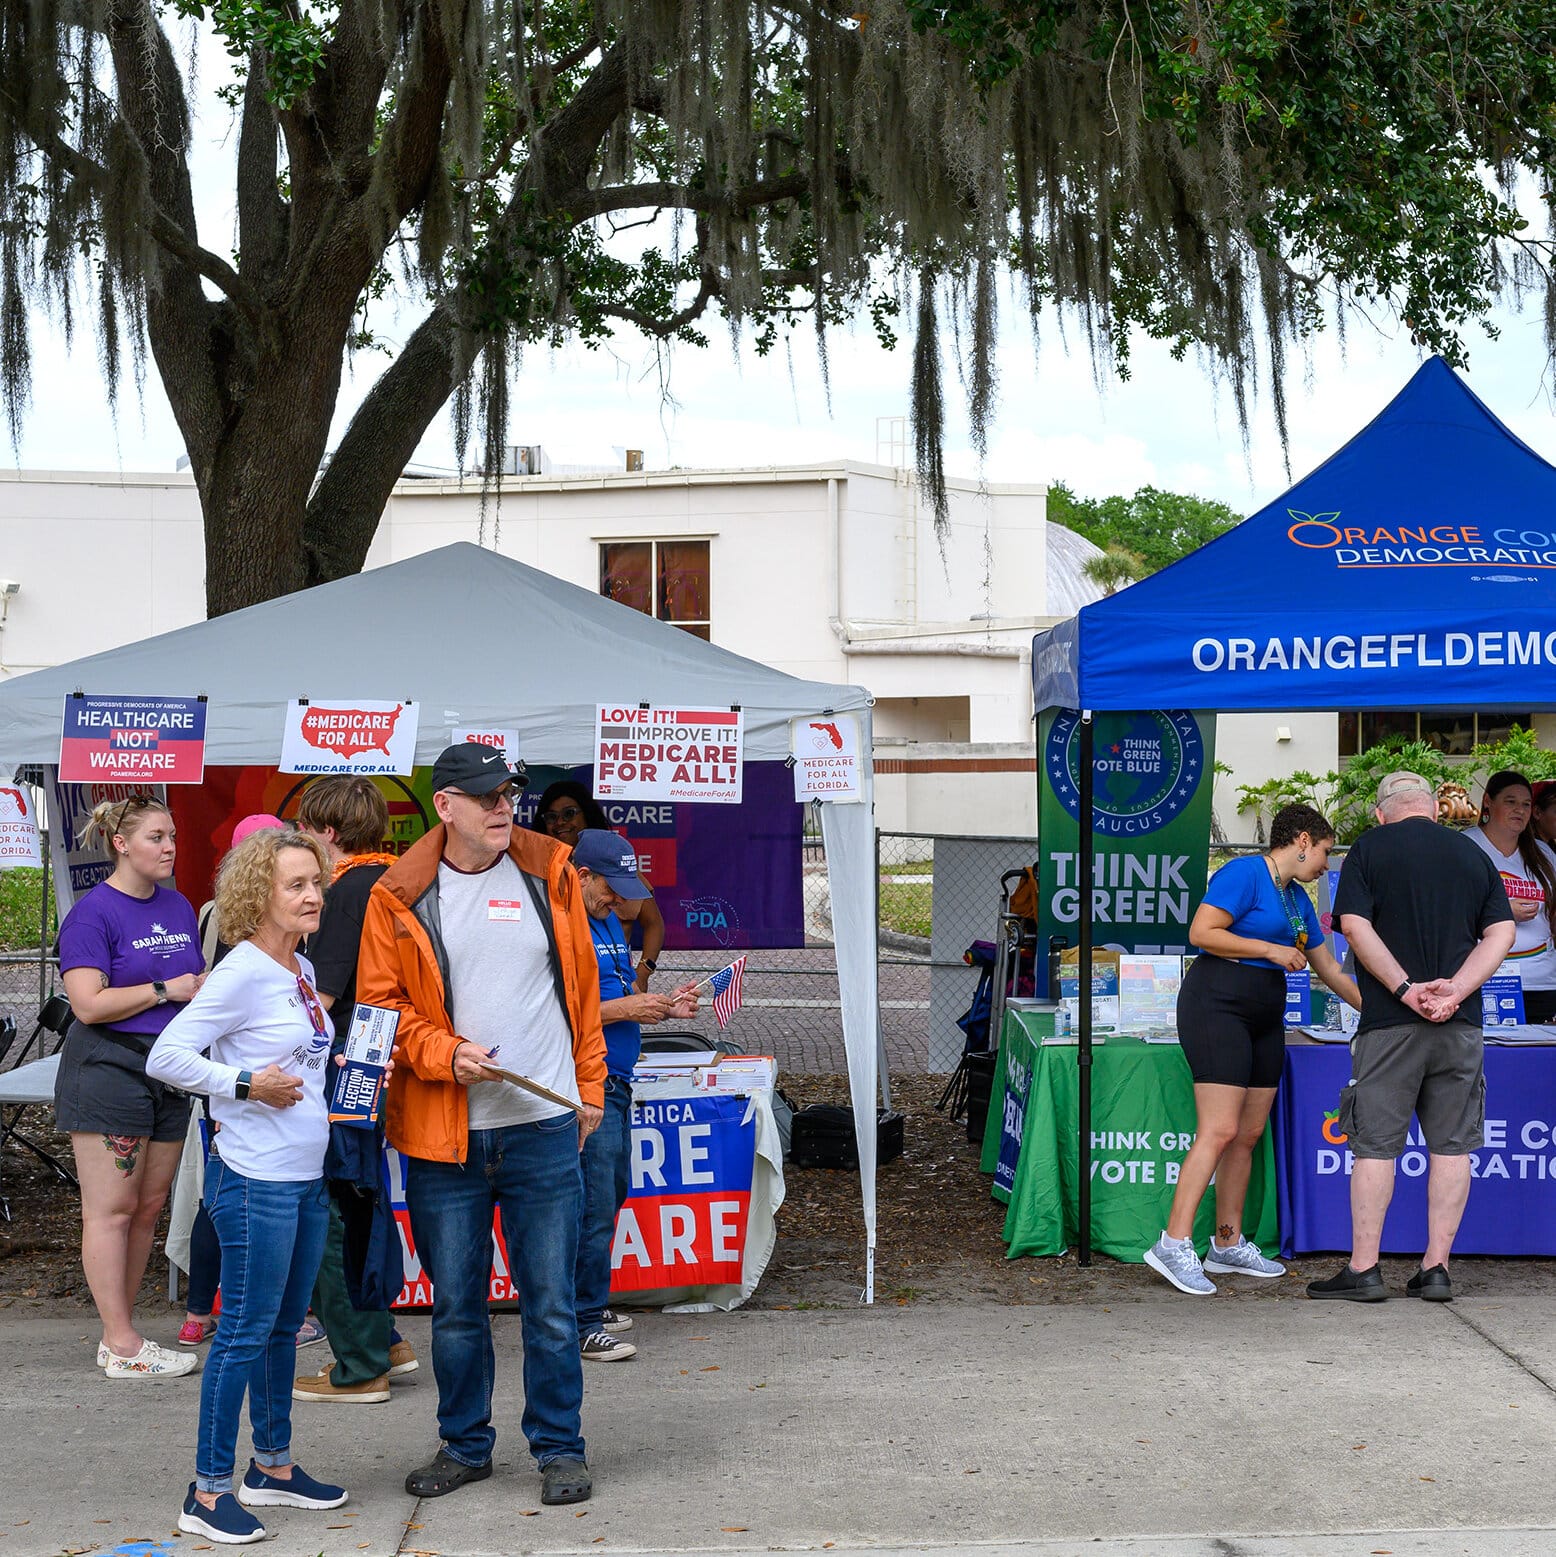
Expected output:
(477, 640)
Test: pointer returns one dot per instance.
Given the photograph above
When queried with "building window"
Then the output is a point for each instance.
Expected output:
(1454, 733)
(667, 580)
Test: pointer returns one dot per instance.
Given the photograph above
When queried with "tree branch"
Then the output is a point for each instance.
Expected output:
(661, 196)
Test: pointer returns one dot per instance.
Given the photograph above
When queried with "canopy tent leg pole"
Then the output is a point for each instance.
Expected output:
(43, 913)
(1083, 983)
(885, 1069)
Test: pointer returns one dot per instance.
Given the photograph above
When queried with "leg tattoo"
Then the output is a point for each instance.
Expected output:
(126, 1151)
(1224, 1232)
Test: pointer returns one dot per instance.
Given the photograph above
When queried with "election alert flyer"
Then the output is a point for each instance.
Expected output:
(349, 735)
(108, 739)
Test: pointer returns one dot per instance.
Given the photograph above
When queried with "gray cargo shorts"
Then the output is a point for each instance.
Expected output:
(1434, 1070)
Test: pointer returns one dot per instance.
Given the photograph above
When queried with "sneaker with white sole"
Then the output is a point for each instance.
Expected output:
(228, 1523)
(1242, 1259)
(615, 1324)
(402, 1359)
(1180, 1265)
(597, 1346)
(151, 1362)
(319, 1387)
(299, 1490)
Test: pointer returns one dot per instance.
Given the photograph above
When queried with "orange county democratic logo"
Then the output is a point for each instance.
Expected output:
(1331, 1128)
(1424, 545)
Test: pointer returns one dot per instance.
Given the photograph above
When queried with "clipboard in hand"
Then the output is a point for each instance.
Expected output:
(530, 1086)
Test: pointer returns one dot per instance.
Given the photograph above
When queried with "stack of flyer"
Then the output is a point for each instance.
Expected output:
(359, 1083)
(738, 1073)
(671, 1065)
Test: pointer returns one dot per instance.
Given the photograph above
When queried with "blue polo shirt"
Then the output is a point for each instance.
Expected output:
(623, 1040)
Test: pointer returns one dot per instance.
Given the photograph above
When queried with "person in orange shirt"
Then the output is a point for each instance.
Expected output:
(479, 938)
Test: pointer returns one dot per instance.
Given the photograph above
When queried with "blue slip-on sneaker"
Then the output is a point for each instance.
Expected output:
(228, 1523)
(299, 1490)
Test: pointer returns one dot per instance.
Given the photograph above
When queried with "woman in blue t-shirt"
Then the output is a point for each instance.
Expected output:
(129, 956)
(1254, 926)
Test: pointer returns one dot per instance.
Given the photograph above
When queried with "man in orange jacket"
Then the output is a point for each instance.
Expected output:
(479, 938)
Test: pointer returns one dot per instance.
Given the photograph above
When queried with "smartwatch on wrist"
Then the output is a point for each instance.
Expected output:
(241, 1086)
(649, 963)
(159, 989)
(1404, 989)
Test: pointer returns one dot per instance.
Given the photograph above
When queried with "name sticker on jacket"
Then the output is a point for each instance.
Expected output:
(504, 908)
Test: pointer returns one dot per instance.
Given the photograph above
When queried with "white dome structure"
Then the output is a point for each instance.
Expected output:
(1068, 587)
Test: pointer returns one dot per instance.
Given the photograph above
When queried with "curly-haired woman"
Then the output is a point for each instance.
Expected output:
(1254, 926)
(259, 1018)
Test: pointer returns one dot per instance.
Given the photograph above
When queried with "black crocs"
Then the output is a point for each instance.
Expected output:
(565, 1481)
(445, 1475)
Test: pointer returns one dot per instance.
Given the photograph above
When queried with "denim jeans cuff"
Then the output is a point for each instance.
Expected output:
(216, 1484)
(268, 1459)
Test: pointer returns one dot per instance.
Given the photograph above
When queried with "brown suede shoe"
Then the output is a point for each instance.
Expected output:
(402, 1359)
(317, 1387)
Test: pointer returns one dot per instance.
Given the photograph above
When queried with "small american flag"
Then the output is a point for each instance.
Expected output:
(725, 987)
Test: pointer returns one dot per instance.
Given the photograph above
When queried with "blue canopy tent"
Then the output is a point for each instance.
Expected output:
(1416, 568)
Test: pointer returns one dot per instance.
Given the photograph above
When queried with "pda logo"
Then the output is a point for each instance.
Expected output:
(1331, 1128)
(713, 916)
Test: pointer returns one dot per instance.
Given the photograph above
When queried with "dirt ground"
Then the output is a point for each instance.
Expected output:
(938, 1234)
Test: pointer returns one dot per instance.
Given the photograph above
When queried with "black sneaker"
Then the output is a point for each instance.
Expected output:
(1431, 1285)
(1358, 1286)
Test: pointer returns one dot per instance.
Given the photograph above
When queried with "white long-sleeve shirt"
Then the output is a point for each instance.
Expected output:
(248, 1014)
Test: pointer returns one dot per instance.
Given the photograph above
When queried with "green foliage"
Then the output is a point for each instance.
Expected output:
(1370, 129)
(1157, 527)
(1115, 568)
(21, 903)
(1347, 797)
(289, 38)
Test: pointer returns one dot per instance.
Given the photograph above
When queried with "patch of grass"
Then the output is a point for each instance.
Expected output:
(906, 906)
(21, 891)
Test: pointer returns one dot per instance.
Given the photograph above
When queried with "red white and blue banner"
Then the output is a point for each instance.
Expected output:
(645, 753)
(132, 740)
(686, 1216)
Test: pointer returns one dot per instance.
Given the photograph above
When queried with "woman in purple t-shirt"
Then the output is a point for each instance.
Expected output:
(129, 954)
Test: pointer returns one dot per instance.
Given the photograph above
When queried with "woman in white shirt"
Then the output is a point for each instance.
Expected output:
(1528, 870)
(256, 1042)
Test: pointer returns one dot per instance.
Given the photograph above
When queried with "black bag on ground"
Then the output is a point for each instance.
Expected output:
(824, 1137)
(979, 1069)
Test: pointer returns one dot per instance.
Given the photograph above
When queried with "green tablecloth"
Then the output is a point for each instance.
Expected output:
(1142, 1124)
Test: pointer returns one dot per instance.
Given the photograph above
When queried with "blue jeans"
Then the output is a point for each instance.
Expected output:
(272, 1235)
(607, 1165)
(530, 1174)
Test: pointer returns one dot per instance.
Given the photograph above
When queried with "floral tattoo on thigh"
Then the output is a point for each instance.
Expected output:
(126, 1151)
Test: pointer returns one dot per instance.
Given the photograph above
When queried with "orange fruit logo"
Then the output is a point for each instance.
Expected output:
(1332, 1131)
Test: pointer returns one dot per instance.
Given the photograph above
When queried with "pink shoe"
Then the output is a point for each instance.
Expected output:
(196, 1332)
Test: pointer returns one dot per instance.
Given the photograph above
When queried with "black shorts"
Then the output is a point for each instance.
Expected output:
(1231, 1022)
(103, 1089)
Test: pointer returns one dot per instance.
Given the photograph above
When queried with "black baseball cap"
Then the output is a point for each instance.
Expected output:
(609, 855)
(474, 769)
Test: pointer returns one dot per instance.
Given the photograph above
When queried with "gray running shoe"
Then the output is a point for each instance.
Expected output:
(1242, 1259)
(1180, 1265)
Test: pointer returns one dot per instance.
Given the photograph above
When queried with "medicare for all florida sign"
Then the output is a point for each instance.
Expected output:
(668, 753)
(132, 740)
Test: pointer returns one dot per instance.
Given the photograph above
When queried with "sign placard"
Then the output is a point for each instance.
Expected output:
(826, 757)
(18, 829)
(505, 741)
(685, 1220)
(348, 735)
(76, 851)
(668, 753)
(1502, 998)
(132, 740)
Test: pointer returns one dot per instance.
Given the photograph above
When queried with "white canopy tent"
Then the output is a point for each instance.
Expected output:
(478, 640)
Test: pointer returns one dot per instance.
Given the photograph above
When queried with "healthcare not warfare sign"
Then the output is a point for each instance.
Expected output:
(132, 740)
(1151, 790)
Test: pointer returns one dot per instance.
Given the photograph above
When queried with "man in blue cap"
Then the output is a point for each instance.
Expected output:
(607, 872)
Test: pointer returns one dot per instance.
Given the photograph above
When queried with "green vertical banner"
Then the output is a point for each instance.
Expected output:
(1151, 802)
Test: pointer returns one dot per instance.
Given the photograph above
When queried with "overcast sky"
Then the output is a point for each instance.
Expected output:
(1167, 427)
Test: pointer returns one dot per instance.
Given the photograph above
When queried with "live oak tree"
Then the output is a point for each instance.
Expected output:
(1215, 174)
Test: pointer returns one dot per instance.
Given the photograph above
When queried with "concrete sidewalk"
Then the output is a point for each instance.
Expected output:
(1164, 1427)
